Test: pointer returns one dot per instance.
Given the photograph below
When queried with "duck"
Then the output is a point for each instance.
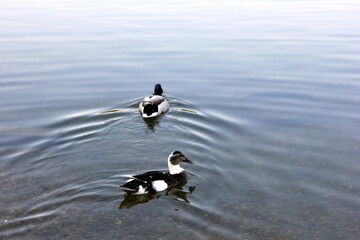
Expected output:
(154, 105)
(156, 181)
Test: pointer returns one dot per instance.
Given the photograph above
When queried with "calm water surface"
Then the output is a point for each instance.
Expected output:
(264, 99)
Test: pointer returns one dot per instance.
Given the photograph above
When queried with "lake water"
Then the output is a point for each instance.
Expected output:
(264, 100)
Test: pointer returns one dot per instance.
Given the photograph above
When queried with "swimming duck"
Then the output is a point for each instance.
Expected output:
(154, 105)
(156, 181)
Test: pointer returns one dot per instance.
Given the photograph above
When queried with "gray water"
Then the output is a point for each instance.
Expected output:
(264, 100)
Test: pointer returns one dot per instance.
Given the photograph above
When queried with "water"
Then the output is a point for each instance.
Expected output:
(264, 99)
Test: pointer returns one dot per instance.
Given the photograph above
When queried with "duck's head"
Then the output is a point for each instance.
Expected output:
(174, 160)
(158, 90)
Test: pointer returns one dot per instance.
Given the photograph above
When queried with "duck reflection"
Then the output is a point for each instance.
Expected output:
(152, 122)
(177, 193)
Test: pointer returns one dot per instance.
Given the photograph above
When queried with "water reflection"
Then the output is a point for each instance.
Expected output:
(281, 108)
(177, 193)
(152, 122)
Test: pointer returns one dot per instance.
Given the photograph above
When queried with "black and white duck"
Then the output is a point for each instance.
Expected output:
(154, 105)
(156, 181)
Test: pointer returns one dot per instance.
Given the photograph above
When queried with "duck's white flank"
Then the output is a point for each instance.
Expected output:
(159, 185)
(174, 169)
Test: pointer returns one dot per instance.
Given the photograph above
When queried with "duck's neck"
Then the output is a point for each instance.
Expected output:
(174, 169)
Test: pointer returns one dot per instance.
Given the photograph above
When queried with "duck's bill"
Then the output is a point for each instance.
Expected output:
(188, 161)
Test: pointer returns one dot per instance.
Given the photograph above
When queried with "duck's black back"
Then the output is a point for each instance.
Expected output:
(151, 176)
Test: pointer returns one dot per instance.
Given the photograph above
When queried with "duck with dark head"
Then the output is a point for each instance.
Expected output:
(154, 105)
